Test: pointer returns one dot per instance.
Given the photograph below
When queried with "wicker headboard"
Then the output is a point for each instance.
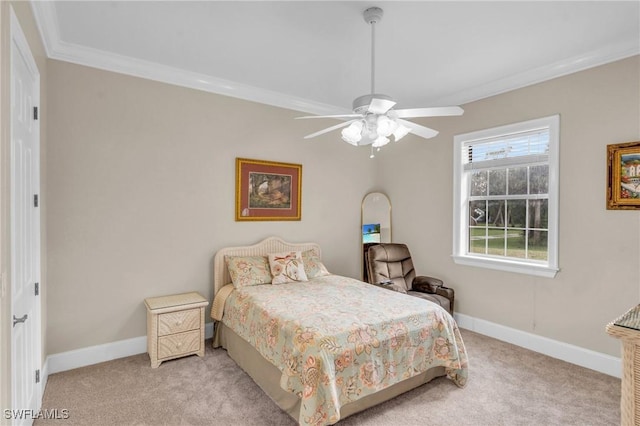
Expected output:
(264, 247)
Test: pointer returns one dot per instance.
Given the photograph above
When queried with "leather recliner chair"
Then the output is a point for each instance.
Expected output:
(392, 262)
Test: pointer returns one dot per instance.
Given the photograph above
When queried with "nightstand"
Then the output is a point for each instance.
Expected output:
(175, 326)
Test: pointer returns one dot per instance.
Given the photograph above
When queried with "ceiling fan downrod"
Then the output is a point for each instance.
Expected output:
(361, 104)
(372, 16)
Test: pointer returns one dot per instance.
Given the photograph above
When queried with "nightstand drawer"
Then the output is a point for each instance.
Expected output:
(177, 322)
(178, 344)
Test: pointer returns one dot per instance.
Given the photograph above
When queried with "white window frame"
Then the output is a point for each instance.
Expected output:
(461, 254)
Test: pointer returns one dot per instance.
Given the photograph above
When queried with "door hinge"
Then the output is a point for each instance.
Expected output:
(37, 376)
(37, 290)
(35, 112)
(35, 200)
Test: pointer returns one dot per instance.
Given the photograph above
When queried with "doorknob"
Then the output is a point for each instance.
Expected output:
(17, 320)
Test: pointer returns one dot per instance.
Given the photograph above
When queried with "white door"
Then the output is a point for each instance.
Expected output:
(25, 228)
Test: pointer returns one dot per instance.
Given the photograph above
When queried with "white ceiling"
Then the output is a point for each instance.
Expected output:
(315, 56)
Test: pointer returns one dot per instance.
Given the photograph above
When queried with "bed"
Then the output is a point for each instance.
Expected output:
(332, 346)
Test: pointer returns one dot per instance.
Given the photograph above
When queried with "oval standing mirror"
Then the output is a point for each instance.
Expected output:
(375, 224)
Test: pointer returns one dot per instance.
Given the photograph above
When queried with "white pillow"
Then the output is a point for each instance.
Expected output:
(312, 265)
(287, 267)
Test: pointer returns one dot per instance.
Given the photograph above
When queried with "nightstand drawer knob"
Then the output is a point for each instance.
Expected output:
(179, 345)
(179, 323)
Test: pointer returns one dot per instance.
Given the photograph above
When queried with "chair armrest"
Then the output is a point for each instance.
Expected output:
(434, 286)
(446, 292)
(392, 287)
(426, 284)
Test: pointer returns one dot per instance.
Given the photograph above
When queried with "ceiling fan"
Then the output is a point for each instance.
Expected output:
(374, 120)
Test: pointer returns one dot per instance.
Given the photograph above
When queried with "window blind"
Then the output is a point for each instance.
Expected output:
(520, 148)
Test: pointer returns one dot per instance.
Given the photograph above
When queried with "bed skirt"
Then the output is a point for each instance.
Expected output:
(267, 376)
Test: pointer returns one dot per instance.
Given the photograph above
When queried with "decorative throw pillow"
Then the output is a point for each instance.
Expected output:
(312, 265)
(248, 270)
(287, 267)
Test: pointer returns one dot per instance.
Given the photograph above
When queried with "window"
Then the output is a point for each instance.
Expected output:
(506, 197)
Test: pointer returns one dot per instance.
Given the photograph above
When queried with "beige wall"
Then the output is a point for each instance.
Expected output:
(140, 189)
(27, 23)
(598, 249)
(138, 195)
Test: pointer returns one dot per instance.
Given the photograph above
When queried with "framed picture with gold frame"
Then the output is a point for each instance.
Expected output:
(268, 190)
(623, 176)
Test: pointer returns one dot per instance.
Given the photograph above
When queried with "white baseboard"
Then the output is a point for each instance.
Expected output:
(44, 375)
(100, 353)
(587, 358)
(95, 354)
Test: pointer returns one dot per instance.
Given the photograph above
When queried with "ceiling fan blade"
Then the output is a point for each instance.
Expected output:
(331, 116)
(418, 130)
(329, 129)
(380, 106)
(429, 112)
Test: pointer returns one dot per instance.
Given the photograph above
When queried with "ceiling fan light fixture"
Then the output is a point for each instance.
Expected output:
(400, 132)
(349, 140)
(353, 133)
(385, 125)
(380, 141)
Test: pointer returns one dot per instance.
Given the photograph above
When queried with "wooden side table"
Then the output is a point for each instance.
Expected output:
(175, 326)
(627, 329)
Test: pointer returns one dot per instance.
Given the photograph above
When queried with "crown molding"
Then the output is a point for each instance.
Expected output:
(46, 20)
(611, 53)
(108, 61)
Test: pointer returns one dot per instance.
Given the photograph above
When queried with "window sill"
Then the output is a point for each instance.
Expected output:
(507, 266)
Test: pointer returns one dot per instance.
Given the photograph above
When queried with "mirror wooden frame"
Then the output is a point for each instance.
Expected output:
(380, 215)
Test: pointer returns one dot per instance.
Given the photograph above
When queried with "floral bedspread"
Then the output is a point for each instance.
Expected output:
(336, 339)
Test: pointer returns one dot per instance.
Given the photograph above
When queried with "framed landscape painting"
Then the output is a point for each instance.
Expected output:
(623, 176)
(268, 190)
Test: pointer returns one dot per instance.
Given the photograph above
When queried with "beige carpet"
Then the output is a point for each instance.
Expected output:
(507, 385)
